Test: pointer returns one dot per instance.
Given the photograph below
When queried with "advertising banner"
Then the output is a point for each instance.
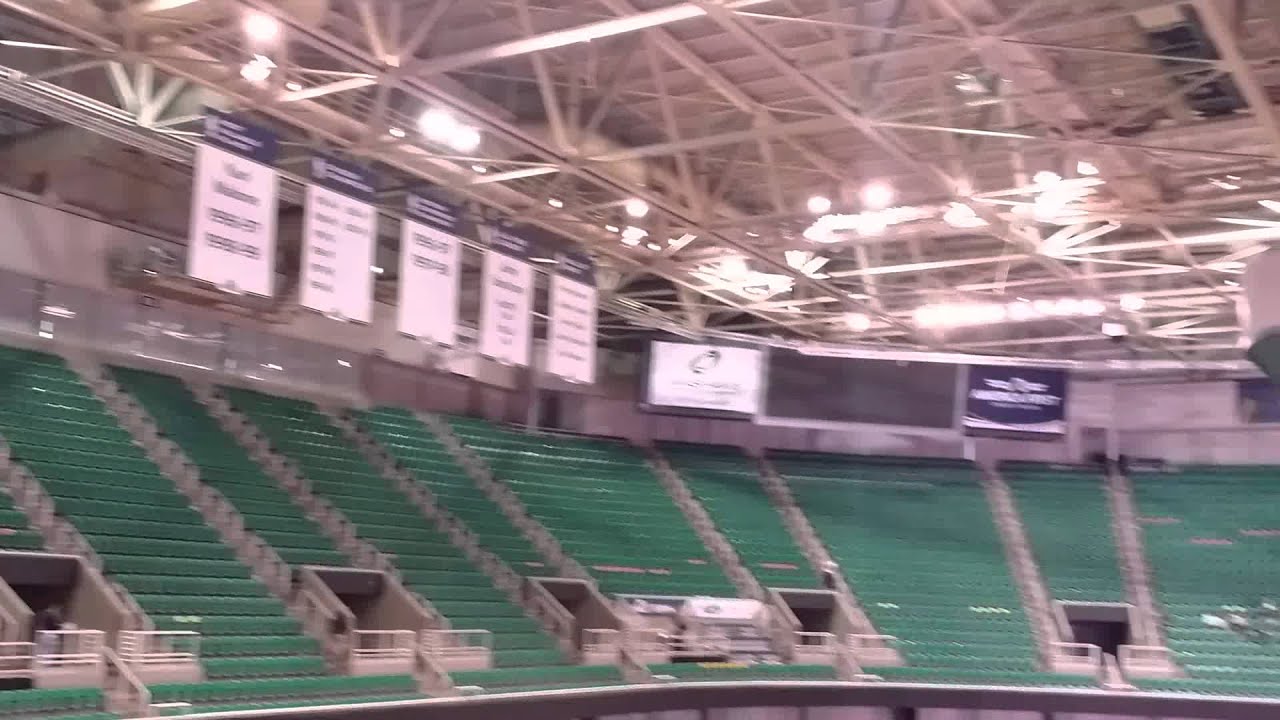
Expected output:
(233, 206)
(1016, 399)
(430, 258)
(339, 229)
(705, 377)
(571, 335)
(506, 311)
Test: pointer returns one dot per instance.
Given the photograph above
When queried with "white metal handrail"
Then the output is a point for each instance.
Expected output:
(69, 647)
(1144, 654)
(383, 644)
(817, 641)
(858, 641)
(456, 642)
(150, 647)
(600, 640)
(16, 659)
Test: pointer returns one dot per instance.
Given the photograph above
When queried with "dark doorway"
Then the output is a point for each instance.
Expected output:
(1103, 624)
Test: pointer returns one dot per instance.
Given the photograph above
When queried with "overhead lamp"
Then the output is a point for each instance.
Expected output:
(654, 246)
(857, 322)
(1114, 329)
(466, 139)
(261, 27)
(753, 234)
(819, 204)
(1046, 177)
(632, 235)
(1132, 303)
(258, 69)
(556, 203)
(479, 169)
(636, 208)
(1084, 167)
(293, 86)
(961, 215)
(877, 195)
(376, 270)
(395, 132)
(611, 228)
(437, 124)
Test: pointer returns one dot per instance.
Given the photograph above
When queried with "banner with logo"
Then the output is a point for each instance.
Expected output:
(1016, 399)
(506, 311)
(233, 206)
(571, 333)
(430, 255)
(705, 377)
(339, 230)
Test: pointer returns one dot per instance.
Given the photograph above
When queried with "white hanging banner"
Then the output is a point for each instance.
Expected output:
(233, 206)
(339, 229)
(506, 313)
(430, 255)
(571, 333)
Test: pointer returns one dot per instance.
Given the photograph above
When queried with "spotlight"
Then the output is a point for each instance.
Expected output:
(636, 207)
(395, 132)
(1046, 177)
(556, 203)
(819, 204)
(1084, 167)
(479, 169)
(257, 70)
(857, 322)
(261, 27)
(1114, 330)
(611, 228)
(877, 195)
(1132, 303)
(465, 139)
(292, 86)
(438, 125)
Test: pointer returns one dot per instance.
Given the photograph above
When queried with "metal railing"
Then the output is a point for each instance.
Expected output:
(123, 688)
(708, 645)
(601, 640)
(17, 659)
(382, 644)
(1145, 655)
(823, 642)
(861, 641)
(1086, 654)
(645, 640)
(156, 647)
(454, 643)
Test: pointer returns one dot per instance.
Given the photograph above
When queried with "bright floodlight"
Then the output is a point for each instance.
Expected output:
(1046, 177)
(857, 322)
(556, 203)
(438, 125)
(257, 70)
(877, 195)
(819, 204)
(261, 27)
(1114, 329)
(1084, 167)
(465, 139)
(636, 207)
(1132, 303)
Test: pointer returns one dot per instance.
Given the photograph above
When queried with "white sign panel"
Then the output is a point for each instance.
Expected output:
(705, 377)
(506, 313)
(339, 229)
(233, 207)
(571, 334)
(430, 253)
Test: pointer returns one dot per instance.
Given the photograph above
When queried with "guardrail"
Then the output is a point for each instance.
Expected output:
(155, 647)
(67, 648)
(17, 659)
(601, 640)
(383, 644)
(454, 643)
(1086, 654)
(869, 642)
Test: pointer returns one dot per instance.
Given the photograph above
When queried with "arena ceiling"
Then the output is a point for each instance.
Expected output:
(1004, 176)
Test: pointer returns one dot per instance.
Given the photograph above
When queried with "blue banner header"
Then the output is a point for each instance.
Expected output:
(508, 243)
(352, 180)
(439, 214)
(1016, 400)
(227, 132)
(577, 267)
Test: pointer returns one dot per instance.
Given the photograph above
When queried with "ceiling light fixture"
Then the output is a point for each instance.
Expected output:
(1114, 329)
(479, 169)
(963, 216)
(440, 126)
(556, 203)
(258, 69)
(654, 246)
(395, 132)
(636, 208)
(819, 204)
(1132, 303)
(632, 235)
(877, 195)
(261, 27)
(949, 315)
(292, 86)
(611, 228)
(857, 322)
(1046, 177)
(1086, 168)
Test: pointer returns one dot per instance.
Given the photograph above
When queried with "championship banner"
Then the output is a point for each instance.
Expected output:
(571, 331)
(233, 206)
(339, 229)
(506, 312)
(430, 253)
(705, 377)
(1016, 400)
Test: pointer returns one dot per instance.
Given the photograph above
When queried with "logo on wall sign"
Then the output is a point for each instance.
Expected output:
(704, 362)
(1017, 384)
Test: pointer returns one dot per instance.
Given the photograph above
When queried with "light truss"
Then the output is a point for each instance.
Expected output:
(725, 115)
